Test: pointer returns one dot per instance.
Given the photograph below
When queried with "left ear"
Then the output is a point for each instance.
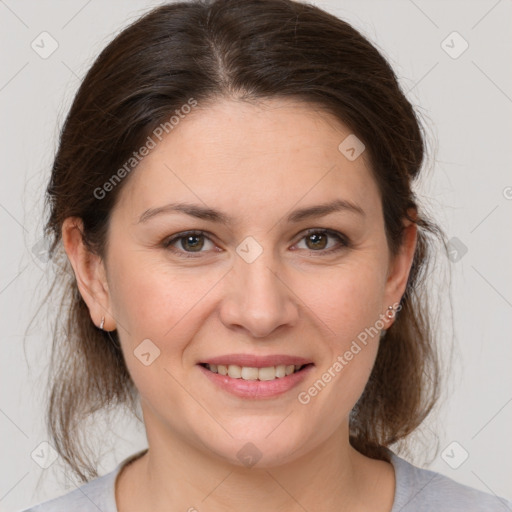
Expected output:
(400, 267)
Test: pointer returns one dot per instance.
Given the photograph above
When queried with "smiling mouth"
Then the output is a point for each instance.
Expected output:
(250, 373)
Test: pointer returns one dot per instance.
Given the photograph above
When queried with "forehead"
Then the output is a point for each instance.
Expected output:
(242, 156)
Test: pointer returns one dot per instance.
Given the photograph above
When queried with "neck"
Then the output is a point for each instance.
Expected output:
(331, 477)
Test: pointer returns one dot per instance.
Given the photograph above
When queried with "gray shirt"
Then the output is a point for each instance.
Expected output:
(416, 490)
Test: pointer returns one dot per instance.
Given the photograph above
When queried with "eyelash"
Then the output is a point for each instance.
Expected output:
(344, 242)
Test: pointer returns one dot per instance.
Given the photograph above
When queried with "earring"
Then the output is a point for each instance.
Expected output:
(102, 323)
(390, 313)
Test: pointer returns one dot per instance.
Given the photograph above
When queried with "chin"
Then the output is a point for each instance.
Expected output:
(259, 444)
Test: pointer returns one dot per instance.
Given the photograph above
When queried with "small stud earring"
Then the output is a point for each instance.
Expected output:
(390, 312)
(102, 323)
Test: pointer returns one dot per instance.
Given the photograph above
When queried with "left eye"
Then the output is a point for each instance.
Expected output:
(317, 240)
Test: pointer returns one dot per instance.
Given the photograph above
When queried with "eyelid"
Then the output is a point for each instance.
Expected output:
(344, 241)
(332, 232)
(167, 243)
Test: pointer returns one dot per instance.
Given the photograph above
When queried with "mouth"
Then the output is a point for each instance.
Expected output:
(262, 380)
(249, 373)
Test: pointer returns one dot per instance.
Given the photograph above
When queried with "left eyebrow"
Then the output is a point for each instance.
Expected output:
(320, 210)
(210, 214)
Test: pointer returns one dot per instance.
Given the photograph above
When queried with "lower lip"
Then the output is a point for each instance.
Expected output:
(257, 388)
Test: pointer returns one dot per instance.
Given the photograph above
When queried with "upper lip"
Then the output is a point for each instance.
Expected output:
(253, 361)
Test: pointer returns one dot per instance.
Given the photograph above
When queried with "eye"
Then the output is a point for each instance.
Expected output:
(188, 242)
(317, 240)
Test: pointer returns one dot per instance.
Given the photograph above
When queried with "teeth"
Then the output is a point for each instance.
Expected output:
(268, 373)
(281, 371)
(234, 371)
(248, 373)
(290, 369)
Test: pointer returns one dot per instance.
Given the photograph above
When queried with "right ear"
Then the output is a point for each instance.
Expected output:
(89, 272)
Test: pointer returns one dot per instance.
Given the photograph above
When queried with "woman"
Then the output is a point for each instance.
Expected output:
(232, 191)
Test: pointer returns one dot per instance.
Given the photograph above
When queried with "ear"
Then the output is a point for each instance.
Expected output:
(399, 269)
(89, 272)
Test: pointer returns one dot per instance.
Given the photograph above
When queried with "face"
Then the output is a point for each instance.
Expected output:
(262, 281)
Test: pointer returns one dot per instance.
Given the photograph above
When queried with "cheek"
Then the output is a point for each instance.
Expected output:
(348, 303)
(156, 301)
(154, 310)
(347, 298)
(350, 309)
(149, 295)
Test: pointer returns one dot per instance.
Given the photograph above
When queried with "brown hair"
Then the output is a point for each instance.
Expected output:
(248, 50)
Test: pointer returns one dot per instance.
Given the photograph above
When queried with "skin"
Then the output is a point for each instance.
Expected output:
(255, 163)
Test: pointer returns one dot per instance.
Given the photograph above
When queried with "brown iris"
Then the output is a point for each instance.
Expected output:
(318, 239)
(193, 243)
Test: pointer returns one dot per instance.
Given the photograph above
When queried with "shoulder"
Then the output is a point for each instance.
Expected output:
(98, 494)
(422, 490)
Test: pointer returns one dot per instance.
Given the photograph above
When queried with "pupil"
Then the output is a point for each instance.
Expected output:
(193, 243)
(315, 238)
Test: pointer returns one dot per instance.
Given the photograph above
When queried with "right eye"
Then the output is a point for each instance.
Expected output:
(189, 242)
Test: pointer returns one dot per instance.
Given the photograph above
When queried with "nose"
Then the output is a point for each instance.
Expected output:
(257, 298)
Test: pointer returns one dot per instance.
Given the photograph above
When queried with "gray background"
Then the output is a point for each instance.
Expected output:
(466, 104)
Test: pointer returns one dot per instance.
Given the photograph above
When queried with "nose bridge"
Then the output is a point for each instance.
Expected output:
(257, 299)
(259, 280)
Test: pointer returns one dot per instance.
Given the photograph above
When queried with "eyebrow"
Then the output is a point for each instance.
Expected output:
(212, 215)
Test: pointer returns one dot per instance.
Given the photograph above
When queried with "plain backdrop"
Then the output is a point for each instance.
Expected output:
(453, 61)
